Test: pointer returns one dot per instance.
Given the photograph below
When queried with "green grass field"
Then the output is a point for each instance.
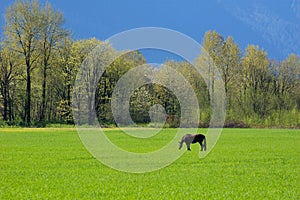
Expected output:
(245, 164)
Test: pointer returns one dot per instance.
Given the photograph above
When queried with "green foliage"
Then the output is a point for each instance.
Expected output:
(245, 164)
(39, 62)
(64, 110)
(3, 124)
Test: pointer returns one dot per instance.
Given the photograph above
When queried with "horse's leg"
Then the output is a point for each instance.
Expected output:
(202, 146)
(188, 146)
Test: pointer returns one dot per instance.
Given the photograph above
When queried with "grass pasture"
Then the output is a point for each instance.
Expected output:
(245, 164)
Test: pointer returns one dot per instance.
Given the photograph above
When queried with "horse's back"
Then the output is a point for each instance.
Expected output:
(188, 135)
(198, 138)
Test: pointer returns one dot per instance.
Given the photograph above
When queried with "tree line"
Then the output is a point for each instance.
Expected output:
(39, 61)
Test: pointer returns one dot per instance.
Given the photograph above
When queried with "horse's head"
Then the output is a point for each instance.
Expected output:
(179, 145)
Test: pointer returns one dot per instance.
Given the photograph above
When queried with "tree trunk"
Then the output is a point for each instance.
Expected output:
(10, 107)
(69, 94)
(28, 96)
(43, 108)
(5, 103)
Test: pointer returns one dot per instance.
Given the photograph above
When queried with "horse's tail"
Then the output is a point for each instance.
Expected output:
(204, 143)
(181, 142)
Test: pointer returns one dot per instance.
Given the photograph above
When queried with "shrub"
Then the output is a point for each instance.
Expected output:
(235, 124)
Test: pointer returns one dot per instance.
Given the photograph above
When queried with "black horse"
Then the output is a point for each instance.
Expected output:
(191, 139)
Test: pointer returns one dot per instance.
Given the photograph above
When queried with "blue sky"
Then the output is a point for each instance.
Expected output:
(272, 24)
